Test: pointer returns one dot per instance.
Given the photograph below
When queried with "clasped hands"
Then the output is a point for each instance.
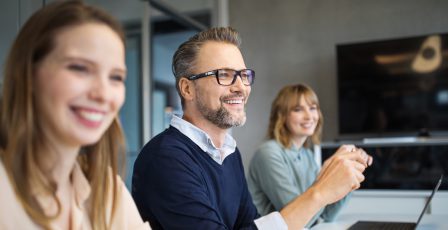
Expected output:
(342, 173)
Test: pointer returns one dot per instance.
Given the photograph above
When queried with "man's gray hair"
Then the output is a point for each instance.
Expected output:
(184, 59)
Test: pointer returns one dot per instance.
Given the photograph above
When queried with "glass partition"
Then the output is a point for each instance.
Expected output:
(151, 96)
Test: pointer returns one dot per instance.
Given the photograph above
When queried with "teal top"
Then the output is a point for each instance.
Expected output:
(277, 175)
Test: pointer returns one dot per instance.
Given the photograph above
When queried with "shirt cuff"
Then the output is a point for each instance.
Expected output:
(271, 221)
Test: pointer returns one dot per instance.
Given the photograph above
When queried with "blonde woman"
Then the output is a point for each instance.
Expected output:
(284, 167)
(60, 138)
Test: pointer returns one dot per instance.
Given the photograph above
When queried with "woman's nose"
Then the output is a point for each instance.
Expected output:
(307, 113)
(100, 89)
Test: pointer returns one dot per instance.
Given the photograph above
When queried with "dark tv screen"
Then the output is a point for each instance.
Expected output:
(393, 87)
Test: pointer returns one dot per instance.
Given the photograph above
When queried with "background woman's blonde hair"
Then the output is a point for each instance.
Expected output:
(287, 99)
(20, 130)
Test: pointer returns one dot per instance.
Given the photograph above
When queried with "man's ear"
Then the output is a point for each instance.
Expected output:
(186, 89)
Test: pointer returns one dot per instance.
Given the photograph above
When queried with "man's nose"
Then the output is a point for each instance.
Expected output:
(238, 82)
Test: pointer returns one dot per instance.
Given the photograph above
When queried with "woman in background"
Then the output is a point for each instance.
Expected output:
(60, 137)
(284, 166)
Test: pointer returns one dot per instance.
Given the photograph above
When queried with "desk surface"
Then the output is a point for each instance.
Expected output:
(433, 222)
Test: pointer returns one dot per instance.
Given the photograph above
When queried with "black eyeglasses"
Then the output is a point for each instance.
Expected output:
(228, 76)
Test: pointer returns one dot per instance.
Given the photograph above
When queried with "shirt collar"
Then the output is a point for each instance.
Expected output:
(203, 140)
(293, 151)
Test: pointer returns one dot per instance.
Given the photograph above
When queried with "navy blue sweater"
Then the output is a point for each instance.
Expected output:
(176, 185)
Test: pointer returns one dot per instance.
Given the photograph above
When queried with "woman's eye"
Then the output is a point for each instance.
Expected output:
(118, 78)
(77, 67)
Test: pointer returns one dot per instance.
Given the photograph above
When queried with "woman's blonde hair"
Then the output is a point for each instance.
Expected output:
(287, 99)
(21, 134)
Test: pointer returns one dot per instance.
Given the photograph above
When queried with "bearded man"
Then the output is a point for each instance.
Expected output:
(191, 175)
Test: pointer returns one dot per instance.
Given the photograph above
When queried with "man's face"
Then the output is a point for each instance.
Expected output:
(223, 106)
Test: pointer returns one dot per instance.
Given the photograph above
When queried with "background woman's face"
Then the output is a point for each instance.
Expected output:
(79, 85)
(303, 119)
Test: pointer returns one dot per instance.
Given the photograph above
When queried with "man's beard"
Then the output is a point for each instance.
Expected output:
(221, 117)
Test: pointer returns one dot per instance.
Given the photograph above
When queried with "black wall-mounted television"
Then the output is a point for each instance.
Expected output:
(394, 87)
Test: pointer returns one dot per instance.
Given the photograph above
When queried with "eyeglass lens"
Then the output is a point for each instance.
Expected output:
(227, 76)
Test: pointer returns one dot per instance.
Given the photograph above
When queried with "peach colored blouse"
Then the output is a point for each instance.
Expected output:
(13, 215)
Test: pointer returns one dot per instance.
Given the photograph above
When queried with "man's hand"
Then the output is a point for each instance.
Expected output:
(342, 173)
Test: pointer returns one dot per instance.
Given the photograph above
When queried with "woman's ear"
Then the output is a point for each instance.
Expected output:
(186, 89)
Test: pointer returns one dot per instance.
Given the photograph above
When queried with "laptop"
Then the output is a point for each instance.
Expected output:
(371, 225)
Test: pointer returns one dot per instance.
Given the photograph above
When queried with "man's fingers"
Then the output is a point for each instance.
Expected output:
(360, 156)
(359, 177)
(370, 161)
(348, 148)
(359, 166)
(356, 186)
(353, 153)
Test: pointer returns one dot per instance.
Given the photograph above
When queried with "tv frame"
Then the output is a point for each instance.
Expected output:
(387, 135)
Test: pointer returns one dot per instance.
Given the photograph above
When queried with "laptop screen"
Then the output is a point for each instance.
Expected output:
(430, 198)
(364, 225)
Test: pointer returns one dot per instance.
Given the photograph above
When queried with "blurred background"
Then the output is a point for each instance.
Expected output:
(285, 42)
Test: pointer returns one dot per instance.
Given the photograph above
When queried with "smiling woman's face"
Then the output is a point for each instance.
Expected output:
(80, 84)
(302, 120)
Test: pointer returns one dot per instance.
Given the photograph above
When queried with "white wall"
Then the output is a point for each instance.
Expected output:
(293, 41)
